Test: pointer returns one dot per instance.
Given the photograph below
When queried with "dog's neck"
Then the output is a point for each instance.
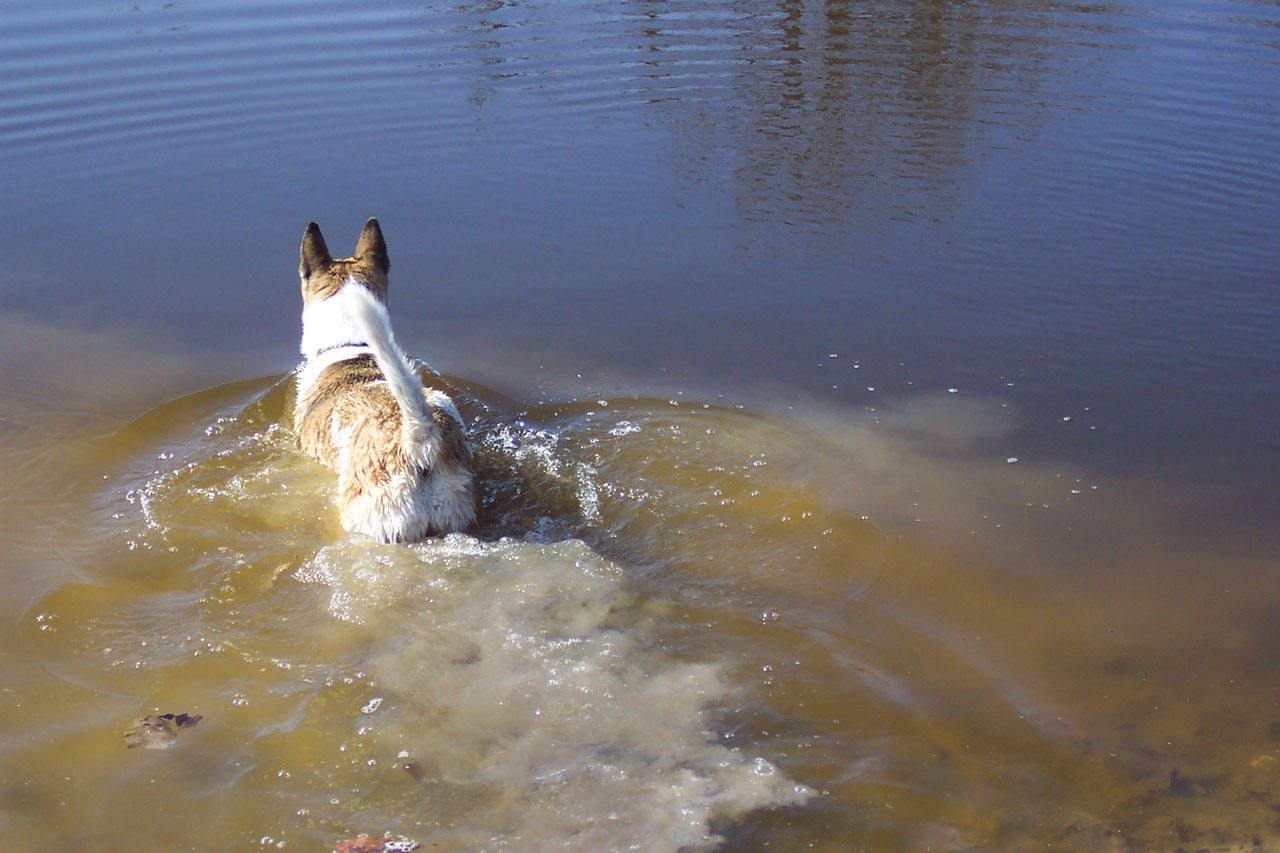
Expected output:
(327, 326)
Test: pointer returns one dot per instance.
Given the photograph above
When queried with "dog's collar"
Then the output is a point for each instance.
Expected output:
(333, 347)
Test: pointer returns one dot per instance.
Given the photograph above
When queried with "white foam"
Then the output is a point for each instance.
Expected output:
(522, 680)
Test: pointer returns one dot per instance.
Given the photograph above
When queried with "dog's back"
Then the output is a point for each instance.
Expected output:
(402, 459)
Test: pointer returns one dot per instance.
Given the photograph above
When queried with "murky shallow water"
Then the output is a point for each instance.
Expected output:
(673, 629)
(876, 406)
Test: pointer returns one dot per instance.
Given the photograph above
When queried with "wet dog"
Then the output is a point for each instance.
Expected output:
(403, 462)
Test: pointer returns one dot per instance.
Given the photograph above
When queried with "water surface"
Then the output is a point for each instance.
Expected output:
(876, 404)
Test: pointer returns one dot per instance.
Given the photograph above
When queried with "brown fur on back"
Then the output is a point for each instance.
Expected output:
(348, 395)
(352, 397)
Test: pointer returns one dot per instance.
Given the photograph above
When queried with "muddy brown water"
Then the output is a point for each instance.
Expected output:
(875, 403)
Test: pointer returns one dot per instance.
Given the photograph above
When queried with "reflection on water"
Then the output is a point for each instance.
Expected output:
(882, 454)
(826, 99)
(804, 109)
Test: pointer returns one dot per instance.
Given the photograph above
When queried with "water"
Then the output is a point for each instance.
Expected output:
(875, 404)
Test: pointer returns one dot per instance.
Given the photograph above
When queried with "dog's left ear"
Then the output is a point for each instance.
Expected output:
(314, 255)
(372, 248)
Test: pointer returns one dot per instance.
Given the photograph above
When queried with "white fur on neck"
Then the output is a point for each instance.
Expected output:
(355, 320)
(332, 323)
(330, 334)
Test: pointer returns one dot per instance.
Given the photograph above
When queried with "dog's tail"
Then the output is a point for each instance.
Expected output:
(370, 317)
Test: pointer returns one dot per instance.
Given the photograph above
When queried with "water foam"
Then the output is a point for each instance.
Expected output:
(524, 685)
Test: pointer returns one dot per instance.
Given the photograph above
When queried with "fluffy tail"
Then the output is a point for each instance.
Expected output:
(370, 317)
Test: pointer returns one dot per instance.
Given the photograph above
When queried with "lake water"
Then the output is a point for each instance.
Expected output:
(876, 405)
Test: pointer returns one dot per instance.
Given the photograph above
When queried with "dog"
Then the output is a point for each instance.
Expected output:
(404, 464)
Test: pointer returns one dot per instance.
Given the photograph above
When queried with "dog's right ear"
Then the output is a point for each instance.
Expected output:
(314, 255)
(372, 248)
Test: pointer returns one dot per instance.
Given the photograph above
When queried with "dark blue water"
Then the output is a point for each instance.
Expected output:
(1081, 198)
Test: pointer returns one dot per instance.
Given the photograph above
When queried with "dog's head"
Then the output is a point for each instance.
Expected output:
(322, 275)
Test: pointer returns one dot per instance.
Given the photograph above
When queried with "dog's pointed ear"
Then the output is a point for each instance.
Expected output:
(371, 248)
(314, 255)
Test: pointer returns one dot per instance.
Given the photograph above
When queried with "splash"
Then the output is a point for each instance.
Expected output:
(523, 684)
